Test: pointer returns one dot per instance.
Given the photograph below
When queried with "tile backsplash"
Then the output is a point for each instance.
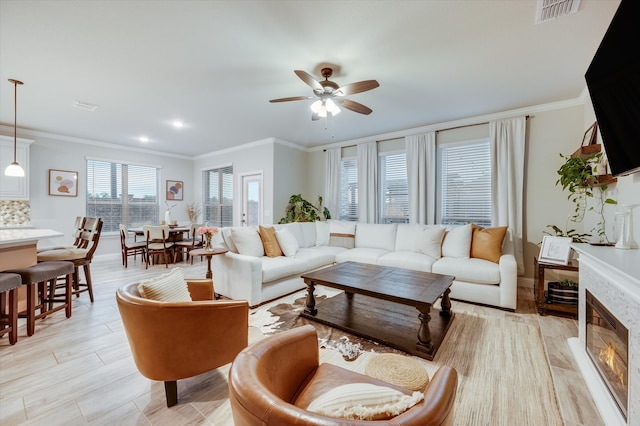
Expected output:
(15, 213)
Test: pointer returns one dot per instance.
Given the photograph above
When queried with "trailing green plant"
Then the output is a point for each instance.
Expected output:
(301, 210)
(578, 175)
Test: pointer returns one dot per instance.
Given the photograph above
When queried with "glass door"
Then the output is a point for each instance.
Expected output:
(251, 200)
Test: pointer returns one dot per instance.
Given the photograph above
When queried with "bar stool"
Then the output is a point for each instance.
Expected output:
(35, 277)
(9, 284)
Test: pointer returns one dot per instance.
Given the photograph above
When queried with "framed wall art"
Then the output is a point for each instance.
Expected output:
(174, 190)
(63, 183)
(555, 250)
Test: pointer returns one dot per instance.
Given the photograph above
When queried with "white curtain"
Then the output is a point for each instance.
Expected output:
(421, 177)
(331, 197)
(508, 147)
(367, 181)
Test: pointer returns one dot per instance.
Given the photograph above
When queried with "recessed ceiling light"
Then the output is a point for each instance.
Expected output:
(143, 139)
(178, 124)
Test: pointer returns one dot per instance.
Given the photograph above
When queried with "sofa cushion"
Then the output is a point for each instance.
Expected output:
(405, 236)
(322, 233)
(486, 243)
(308, 230)
(363, 255)
(169, 287)
(296, 231)
(429, 241)
(408, 260)
(457, 242)
(333, 251)
(376, 236)
(287, 242)
(342, 233)
(269, 241)
(274, 268)
(315, 258)
(470, 270)
(248, 241)
(363, 401)
(227, 239)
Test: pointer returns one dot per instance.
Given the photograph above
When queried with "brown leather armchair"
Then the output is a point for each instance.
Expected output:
(272, 382)
(172, 341)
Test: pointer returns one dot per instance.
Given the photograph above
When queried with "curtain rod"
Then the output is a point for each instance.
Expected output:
(437, 131)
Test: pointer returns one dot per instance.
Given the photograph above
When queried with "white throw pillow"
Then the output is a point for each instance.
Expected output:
(248, 242)
(169, 287)
(322, 233)
(363, 401)
(429, 241)
(457, 242)
(287, 241)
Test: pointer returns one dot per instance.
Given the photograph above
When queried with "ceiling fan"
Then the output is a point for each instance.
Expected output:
(330, 96)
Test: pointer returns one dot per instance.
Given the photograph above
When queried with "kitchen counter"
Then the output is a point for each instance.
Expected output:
(18, 236)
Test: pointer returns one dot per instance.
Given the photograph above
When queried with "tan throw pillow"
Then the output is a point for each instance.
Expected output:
(169, 287)
(486, 243)
(269, 241)
(364, 401)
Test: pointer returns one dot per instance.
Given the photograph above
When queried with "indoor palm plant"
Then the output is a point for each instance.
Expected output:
(301, 210)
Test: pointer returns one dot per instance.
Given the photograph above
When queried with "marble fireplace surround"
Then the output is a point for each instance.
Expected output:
(613, 277)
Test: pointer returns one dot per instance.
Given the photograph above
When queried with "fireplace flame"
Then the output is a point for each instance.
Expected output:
(608, 357)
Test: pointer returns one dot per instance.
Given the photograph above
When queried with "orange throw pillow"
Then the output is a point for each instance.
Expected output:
(269, 241)
(486, 243)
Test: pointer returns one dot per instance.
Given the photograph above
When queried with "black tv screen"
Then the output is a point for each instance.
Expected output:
(613, 80)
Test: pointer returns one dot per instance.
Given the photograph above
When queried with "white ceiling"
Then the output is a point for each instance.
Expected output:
(216, 64)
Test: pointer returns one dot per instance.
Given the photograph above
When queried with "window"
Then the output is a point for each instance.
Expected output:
(393, 193)
(218, 196)
(465, 183)
(349, 189)
(122, 193)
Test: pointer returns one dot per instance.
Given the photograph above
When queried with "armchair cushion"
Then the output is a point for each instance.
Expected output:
(169, 287)
(364, 401)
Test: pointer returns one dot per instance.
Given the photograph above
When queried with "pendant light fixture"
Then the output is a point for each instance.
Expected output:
(14, 168)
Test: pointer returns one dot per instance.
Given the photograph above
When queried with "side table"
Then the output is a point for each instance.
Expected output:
(208, 254)
(539, 287)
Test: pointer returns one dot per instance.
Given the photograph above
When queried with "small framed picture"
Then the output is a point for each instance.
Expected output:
(555, 250)
(63, 183)
(174, 190)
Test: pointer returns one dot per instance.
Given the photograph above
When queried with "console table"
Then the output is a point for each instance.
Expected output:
(538, 289)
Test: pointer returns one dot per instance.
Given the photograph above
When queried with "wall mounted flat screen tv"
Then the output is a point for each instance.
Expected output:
(613, 80)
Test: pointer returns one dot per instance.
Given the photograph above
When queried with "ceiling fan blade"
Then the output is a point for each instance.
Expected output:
(293, 98)
(308, 78)
(355, 106)
(315, 116)
(360, 86)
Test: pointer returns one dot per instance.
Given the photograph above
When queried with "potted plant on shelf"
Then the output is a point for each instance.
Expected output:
(565, 292)
(580, 176)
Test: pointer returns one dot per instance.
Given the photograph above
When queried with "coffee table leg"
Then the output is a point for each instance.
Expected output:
(445, 304)
(424, 343)
(311, 300)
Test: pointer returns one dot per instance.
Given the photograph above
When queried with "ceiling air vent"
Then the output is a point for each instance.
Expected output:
(551, 9)
(85, 105)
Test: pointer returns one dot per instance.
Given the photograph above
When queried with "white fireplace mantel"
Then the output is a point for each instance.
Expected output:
(613, 277)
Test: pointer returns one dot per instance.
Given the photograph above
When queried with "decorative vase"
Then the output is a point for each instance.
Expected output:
(167, 217)
(207, 242)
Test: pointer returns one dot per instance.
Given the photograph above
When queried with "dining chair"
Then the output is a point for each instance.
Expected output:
(157, 243)
(129, 247)
(193, 242)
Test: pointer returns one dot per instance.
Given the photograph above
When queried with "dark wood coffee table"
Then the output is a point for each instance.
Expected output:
(378, 304)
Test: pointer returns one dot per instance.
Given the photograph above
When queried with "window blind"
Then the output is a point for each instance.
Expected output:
(349, 189)
(465, 183)
(393, 192)
(218, 196)
(122, 193)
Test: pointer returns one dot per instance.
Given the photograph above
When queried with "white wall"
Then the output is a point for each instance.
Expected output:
(59, 213)
(290, 177)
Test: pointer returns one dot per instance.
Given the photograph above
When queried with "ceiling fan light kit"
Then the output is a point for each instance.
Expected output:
(330, 96)
(14, 169)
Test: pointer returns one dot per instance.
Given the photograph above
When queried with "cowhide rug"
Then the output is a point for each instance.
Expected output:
(284, 314)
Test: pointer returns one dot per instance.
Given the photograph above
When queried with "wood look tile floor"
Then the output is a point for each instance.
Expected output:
(80, 371)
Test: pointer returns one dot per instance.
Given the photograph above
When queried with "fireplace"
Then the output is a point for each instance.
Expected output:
(607, 344)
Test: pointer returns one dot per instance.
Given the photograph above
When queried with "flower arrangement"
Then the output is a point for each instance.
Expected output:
(207, 232)
(193, 211)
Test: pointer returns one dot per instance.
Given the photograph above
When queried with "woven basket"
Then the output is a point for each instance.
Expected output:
(398, 370)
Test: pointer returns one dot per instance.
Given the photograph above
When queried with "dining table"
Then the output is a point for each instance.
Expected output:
(176, 233)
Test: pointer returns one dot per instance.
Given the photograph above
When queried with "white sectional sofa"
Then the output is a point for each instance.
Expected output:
(246, 273)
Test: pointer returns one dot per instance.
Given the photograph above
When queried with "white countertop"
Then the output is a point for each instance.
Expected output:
(19, 235)
(627, 262)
